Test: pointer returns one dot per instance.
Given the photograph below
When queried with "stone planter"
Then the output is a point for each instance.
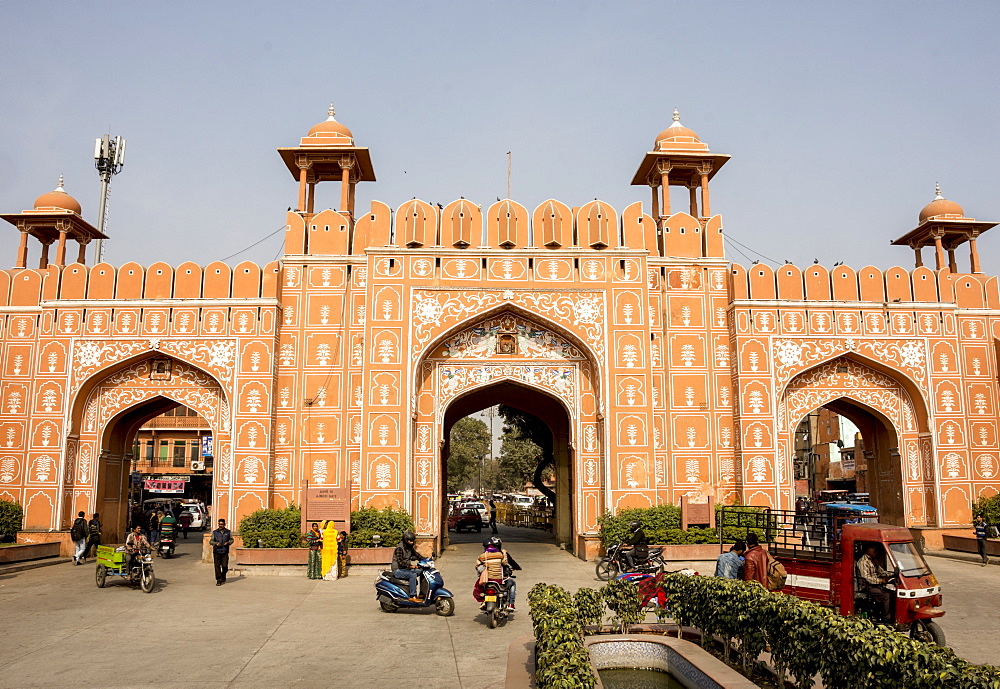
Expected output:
(967, 544)
(28, 551)
(271, 556)
(369, 556)
(66, 546)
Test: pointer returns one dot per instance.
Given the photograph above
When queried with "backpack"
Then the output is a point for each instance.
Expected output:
(776, 574)
(79, 530)
(993, 531)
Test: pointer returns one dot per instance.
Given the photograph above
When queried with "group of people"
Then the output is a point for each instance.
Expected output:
(153, 518)
(314, 541)
(747, 561)
(86, 536)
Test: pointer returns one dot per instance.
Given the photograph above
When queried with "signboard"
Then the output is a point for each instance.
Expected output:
(206, 446)
(847, 463)
(157, 486)
(180, 477)
(136, 478)
(697, 512)
(328, 504)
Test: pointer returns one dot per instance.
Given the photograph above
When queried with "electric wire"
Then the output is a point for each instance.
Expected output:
(737, 250)
(767, 258)
(254, 244)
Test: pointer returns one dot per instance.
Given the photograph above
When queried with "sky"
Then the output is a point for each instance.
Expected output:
(839, 117)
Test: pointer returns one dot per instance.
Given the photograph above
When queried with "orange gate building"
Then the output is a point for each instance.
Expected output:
(662, 369)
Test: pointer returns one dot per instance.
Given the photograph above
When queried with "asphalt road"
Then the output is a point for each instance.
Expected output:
(60, 630)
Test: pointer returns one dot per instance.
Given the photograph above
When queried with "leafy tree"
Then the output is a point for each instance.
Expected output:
(11, 516)
(468, 446)
(526, 450)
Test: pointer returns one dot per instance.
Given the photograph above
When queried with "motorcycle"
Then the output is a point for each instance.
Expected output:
(612, 564)
(393, 594)
(165, 548)
(115, 562)
(496, 601)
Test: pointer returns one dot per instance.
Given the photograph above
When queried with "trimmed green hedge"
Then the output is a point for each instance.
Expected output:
(989, 508)
(662, 525)
(11, 518)
(561, 660)
(388, 523)
(272, 528)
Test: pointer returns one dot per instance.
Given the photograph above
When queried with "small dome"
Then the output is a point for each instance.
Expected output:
(941, 206)
(331, 128)
(676, 133)
(57, 199)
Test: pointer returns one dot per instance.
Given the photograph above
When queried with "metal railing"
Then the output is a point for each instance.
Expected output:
(526, 517)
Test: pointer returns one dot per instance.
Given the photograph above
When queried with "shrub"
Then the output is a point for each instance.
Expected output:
(662, 525)
(388, 523)
(989, 508)
(561, 660)
(11, 518)
(272, 528)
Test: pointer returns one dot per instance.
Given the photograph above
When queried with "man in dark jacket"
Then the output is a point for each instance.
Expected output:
(981, 535)
(639, 550)
(755, 561)
(222, 538)
(404, 563)
(94, 540)
(78, 532)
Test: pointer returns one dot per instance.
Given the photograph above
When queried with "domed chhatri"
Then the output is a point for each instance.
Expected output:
(941, 207)
(329, 132)
(57, 199)
(678, 137)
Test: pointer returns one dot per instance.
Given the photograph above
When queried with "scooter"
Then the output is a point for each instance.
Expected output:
(393, 594)
(496, 601)
(165, 547)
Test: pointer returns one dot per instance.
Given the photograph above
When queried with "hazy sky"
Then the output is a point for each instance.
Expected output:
(839, 117)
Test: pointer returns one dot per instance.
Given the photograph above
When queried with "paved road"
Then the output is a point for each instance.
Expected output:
(60, 630)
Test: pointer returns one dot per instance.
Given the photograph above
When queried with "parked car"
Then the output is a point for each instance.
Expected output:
(524, 502)
(481, 508)
(465, 518)
(199, 517)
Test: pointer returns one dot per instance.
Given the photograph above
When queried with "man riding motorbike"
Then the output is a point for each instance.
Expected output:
(639, 546)
(168, 526)
(404, 563)
(499, 565)
(136, 544)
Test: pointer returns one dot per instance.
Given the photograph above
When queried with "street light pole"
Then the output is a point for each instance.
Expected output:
(109, 158)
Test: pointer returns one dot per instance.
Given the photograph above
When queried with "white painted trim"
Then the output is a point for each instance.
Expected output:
(806, 582)
(149, 303)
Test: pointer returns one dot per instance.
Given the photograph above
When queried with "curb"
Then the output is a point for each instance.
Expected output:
(34, 564)
(971, 558)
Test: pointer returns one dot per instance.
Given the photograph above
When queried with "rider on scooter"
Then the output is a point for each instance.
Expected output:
(499, 565)
(639, 550)
(404, 563)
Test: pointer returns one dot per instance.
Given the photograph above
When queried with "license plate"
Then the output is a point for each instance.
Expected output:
(491, 599)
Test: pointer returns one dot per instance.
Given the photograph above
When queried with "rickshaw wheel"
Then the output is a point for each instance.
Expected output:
(102, 576)
(148, 581)
(928, 632)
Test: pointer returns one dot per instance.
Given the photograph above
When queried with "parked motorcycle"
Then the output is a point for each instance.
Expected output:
(393, 593)
(612, 564)
(165, 548)
(496, 601)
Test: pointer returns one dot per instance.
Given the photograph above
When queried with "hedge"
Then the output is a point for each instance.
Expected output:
(11, 518)
(271, 528)
(662, 525)
(805, 640)
(989, 508)
(388, 523)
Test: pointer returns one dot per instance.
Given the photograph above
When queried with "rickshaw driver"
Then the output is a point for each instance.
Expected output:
(135, 543)
(875, 579)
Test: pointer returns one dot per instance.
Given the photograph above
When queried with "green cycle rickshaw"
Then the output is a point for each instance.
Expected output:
(113, 561)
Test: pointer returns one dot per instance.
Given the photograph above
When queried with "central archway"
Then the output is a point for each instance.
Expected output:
(551, 411)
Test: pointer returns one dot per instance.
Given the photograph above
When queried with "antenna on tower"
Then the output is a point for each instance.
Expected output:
(109, 158)
(508, 174)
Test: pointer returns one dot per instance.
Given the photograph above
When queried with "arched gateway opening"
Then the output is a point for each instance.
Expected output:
(547, 409)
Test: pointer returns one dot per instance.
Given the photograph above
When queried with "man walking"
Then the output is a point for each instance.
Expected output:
(981, 535)
(94, 540)
(493, 515)
(222, 538)
(78, 533)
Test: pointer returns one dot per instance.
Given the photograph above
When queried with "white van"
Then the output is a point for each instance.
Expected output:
(524, 502)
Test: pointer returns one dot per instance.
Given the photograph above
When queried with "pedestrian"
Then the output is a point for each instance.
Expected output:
(94, 529)
(184, 521)
(341, 554)
(493, 515)
(755, 561)
(314, 540)
(154, 527)
(222, 538)
(981, 535)
(730, 565)
(78, 532)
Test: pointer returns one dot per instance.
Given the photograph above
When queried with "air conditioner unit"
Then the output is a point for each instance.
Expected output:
(197, 466)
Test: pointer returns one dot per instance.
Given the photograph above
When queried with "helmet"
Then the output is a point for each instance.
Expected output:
(492, 542)
(634, 526)
(409, 537)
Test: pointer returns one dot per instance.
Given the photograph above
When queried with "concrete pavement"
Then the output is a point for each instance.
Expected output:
(60, 630)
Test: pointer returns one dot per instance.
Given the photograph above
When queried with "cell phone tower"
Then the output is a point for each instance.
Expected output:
(109, 158)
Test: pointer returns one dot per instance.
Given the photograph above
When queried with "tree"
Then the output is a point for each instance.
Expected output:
(525, 451)
(468, 446)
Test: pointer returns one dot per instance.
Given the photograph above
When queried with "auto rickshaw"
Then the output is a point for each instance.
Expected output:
(112, 561)
(820, 549)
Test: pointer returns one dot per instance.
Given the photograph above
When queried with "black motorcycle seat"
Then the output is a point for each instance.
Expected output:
(398, 582)
(655, 551)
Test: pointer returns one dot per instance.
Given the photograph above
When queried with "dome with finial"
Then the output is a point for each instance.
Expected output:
(329, 132)
(677, 136)
(941, 206)
(57, 200)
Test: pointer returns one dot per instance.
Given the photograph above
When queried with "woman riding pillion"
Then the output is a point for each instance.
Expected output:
(497, 564)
